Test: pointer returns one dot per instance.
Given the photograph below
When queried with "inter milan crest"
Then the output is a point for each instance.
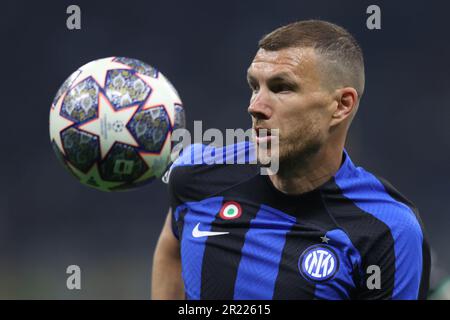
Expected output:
(318, 263)
(230, 210)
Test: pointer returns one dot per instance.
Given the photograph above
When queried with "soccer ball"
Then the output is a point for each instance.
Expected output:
(111, 123)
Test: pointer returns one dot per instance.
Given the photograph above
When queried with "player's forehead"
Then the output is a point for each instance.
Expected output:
(290, 62)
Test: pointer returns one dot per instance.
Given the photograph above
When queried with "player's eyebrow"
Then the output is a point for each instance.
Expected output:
(251, 80)
(283, 77)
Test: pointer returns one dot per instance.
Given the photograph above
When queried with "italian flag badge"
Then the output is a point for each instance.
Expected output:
(230, 210)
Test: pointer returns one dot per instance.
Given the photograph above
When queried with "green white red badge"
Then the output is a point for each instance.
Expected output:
(230, 210)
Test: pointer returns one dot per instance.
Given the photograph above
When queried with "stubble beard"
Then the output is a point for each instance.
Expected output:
(296, 151)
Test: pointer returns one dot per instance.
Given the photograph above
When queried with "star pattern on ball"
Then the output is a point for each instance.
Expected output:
(158, 160)
(93, 178)
(161, 97)
(172, 92)
(105, 125)
(98, 69)
(59, 123)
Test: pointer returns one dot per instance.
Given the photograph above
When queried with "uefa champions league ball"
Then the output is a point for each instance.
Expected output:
(111, 123)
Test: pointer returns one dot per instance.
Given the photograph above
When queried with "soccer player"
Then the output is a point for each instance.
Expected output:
(320, 227)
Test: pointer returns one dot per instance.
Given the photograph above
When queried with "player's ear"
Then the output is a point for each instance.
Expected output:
(347, 100)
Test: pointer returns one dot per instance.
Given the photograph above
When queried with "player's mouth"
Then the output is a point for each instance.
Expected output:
(263, 136)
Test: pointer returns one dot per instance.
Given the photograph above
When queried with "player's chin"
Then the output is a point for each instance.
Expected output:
(267, 153)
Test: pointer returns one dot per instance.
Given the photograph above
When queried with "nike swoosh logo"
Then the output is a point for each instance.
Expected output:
(196, 233)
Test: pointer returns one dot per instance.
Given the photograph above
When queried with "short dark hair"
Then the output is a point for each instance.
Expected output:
(333, 42)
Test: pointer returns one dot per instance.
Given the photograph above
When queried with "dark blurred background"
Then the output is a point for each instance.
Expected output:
(49, 221)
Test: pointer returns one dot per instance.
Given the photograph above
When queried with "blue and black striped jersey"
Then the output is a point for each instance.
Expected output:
(241, 238)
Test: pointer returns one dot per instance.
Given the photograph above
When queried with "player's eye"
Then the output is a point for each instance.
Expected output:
(281, 87)
(254, 87)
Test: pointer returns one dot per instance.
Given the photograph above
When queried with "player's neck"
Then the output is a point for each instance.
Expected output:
(308, 173)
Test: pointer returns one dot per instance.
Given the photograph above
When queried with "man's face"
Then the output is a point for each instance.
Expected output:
(288, 94)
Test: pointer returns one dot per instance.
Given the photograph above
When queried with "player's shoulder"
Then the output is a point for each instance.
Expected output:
(377, 197)
(206, 169)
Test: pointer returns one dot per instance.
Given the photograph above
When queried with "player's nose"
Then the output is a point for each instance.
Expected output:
(260, 107)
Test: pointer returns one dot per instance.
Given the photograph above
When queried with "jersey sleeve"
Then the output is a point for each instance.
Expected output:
(179, 181)
(174, 226)
(400, 270)
(174, 204)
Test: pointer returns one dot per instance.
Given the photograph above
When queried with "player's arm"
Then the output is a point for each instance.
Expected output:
(166, 273)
